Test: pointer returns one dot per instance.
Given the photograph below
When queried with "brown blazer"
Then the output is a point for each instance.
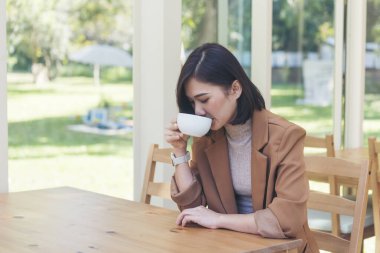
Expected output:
(279, 185)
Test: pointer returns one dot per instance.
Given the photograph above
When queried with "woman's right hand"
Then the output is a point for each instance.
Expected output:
(175, 138)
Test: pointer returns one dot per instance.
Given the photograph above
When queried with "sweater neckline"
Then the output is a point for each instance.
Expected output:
(236, 132)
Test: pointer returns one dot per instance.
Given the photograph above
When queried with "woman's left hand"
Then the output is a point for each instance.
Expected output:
(200, 215)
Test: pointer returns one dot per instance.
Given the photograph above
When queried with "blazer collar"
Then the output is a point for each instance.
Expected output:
(217, 154)
(260, 134)
(259, 161)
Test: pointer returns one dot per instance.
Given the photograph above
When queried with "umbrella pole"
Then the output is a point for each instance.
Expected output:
(96, 74)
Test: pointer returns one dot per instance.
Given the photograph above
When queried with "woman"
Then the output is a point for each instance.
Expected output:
(249, 169)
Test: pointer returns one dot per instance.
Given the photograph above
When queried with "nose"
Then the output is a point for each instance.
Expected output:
(198, 109)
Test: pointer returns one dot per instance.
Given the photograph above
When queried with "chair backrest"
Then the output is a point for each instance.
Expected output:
(327, 144)
(318, 142)
(374, 153)
(328, 202)
(151, 188)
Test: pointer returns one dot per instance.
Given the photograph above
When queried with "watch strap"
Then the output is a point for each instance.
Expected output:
(181, 159)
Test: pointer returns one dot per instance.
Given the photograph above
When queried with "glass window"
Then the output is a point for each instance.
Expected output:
(372, 72)
(200, 25)
(302, 63)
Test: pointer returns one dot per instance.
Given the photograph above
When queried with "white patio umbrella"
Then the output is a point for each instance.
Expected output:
(102, 55)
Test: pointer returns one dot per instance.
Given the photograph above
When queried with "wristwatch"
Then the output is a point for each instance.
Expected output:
(180, 159)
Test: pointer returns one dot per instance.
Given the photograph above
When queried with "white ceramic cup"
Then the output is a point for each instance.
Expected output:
(193, 125)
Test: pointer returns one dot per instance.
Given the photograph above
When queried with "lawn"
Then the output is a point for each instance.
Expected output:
(44, 153)
(317, 120)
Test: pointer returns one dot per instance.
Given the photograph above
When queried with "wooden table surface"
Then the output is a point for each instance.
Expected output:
(70, 220)
(353, 154)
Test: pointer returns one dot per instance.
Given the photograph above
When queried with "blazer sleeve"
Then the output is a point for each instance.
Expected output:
(289, 205)
(193, 196)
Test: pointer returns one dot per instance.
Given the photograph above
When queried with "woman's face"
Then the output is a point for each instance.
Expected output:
(213, 101)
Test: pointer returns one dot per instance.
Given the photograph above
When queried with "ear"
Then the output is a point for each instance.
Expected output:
(236, 89)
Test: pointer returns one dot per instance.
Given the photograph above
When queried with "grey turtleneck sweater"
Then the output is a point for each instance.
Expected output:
(239, 139)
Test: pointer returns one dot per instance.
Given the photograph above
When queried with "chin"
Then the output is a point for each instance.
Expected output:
(214, 126)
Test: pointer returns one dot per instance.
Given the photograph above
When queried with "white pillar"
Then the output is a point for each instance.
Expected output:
(338, 72)
(3, 102)
(261, 47)
(223, 22)
(156, 59)
(356, 36)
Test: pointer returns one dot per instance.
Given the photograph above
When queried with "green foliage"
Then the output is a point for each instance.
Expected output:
(36, 33)
(76, 69)
(198, 22)
(373, 21)
(372, 81)
(102, 22)
(301, 21)
(44, 32)
(239, 25)
(116, 75)
(107, 74)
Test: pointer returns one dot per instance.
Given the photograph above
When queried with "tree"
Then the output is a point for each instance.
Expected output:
(101, 22)
(373, 21)
(313, 19)
(198, 22)
(37, 35)
(40, 33)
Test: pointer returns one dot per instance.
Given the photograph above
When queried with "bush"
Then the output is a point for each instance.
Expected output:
(107, 74)
(372, 81)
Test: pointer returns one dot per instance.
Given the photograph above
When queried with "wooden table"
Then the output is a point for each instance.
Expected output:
(70, 220)
(353, 154)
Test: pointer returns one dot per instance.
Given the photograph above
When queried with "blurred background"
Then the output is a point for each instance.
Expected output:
(70, 116)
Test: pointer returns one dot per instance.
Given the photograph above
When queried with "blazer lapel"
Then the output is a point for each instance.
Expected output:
(259, 161)
(217, 154)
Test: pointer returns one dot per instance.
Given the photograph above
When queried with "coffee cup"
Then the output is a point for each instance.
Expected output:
(193, 125)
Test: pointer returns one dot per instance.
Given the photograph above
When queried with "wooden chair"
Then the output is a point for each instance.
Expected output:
(374, 151)
(339, 226)
(151, 188)
(332, 203)
(326, 143)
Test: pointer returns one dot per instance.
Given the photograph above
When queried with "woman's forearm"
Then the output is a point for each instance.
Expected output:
(238, 222)
(183, 176)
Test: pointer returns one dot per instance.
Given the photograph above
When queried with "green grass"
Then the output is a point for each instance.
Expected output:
(317, 120)
(44, 153)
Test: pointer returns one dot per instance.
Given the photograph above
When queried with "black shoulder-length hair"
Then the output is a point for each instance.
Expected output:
(214, 64)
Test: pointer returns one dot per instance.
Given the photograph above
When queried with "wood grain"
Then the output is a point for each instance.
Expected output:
(71, 220)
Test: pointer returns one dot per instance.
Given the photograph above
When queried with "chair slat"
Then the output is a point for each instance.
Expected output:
(151, 188)
(326, 143)
(330, 203)
(330, 166)
(162, 155)
(314, 142)
(330, 242)
(159, 189)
